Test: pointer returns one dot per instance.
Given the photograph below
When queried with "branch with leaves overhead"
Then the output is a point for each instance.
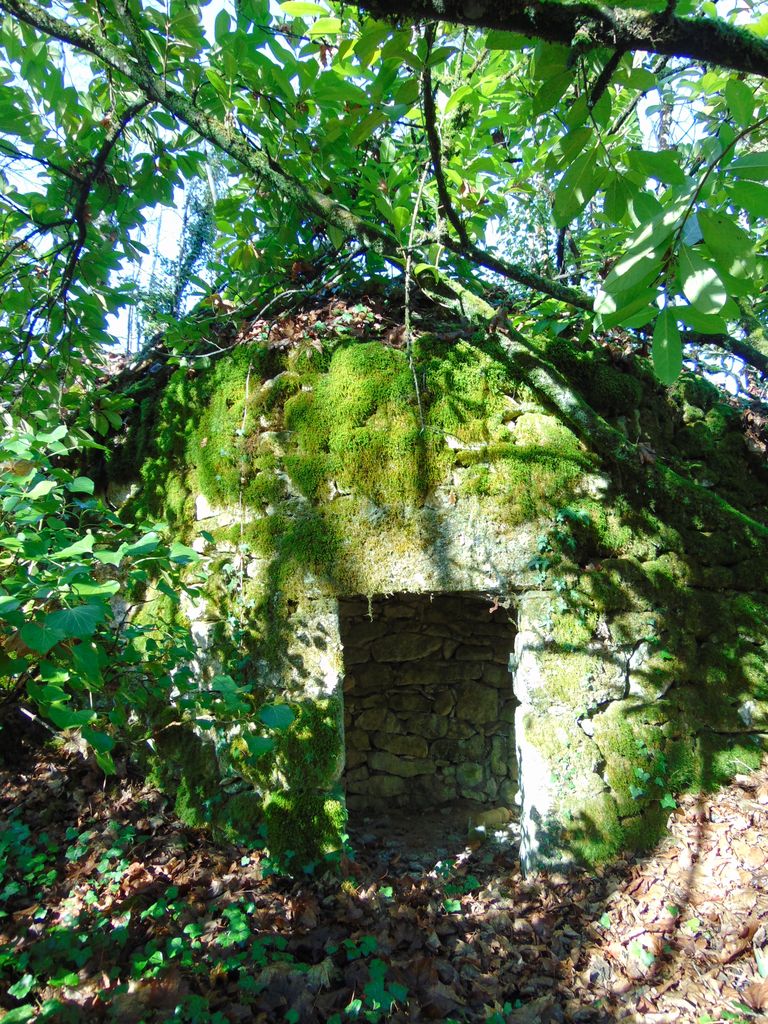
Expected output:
(708, 40)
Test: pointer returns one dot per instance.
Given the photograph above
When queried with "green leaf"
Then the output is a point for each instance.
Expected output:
(42, 489)
(667, 349)
(41, 637)
(367, 127)
(754, 167)
(303, 9)
(80, 547)
(664, 166)
(8, 604)
(325, 27)
(85, 658)
(277, 716)
(577, 186)
(741, 101)
(109, 557)
(498, 40)
(105, 761)
(20, 1015)
(222, 89)
(182, 555)
(100, 741)
(458, 97)
(221, 27)
(23, 986)
(90, 589)
(80, 621)
(144, 546)
(668, 802)
(63, 718)
(400, 218)
(731, 246)
(750, 197)
(258, 745)
(550, 92)
(452, 906)
(701, 283)
(81, 485)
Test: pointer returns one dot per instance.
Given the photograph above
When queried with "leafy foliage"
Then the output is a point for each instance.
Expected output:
(69, 570)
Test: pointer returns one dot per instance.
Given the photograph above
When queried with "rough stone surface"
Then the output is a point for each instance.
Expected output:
(427, 695)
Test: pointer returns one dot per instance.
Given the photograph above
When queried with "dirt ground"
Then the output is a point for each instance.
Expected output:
(110, 909)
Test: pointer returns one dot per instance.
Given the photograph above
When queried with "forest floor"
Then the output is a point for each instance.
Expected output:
(111, 910)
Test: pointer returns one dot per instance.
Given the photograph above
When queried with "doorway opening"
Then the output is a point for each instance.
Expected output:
(428, 709)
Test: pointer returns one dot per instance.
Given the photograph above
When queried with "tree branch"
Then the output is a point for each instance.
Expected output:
(136, 70)
(80, 214)
(464, 246)
(708, 40)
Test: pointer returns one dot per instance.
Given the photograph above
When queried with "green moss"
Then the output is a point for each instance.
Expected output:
(609, 390)
(568, 675)
(720, 764)
(594, 833)
(304, 821)
(240, 818)
(185, 767)
(303, 827)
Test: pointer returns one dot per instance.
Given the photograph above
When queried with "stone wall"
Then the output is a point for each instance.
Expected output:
(428, 701)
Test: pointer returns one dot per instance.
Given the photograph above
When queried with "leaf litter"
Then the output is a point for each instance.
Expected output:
(112, 910)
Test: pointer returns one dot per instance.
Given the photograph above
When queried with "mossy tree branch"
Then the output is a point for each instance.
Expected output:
(708, 40)
(136, 69)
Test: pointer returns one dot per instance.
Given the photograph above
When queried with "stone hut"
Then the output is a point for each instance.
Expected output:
(428, 580)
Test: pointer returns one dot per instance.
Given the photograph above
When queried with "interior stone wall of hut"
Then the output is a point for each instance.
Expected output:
(428, 703)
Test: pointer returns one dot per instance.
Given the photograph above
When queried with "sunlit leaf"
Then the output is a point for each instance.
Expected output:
(754, 166)
(701, 283)
(667, 349)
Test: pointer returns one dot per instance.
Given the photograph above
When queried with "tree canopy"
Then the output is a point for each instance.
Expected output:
(593, 169)
(606, 163)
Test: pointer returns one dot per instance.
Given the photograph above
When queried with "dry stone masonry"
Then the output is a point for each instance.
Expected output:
(637, 617)
(428, 702)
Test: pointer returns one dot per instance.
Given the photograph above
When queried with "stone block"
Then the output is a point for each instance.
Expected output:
(427, 725)
(357, 739)
(410, 746)
(469, 776)
(376, 719)
(399, 610)
(473, 653)
(355, 758)
(444, 702)
(405, 768)
(433, 673)
(459, 730)
(498, 676)
(356, 655)
(434, 789)
(477, 703)
(405, 647)
(360, 634)
(385, 786)
(372, 678)
(405, 701)
(508, 793)
(501, 755)
(471, 749)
